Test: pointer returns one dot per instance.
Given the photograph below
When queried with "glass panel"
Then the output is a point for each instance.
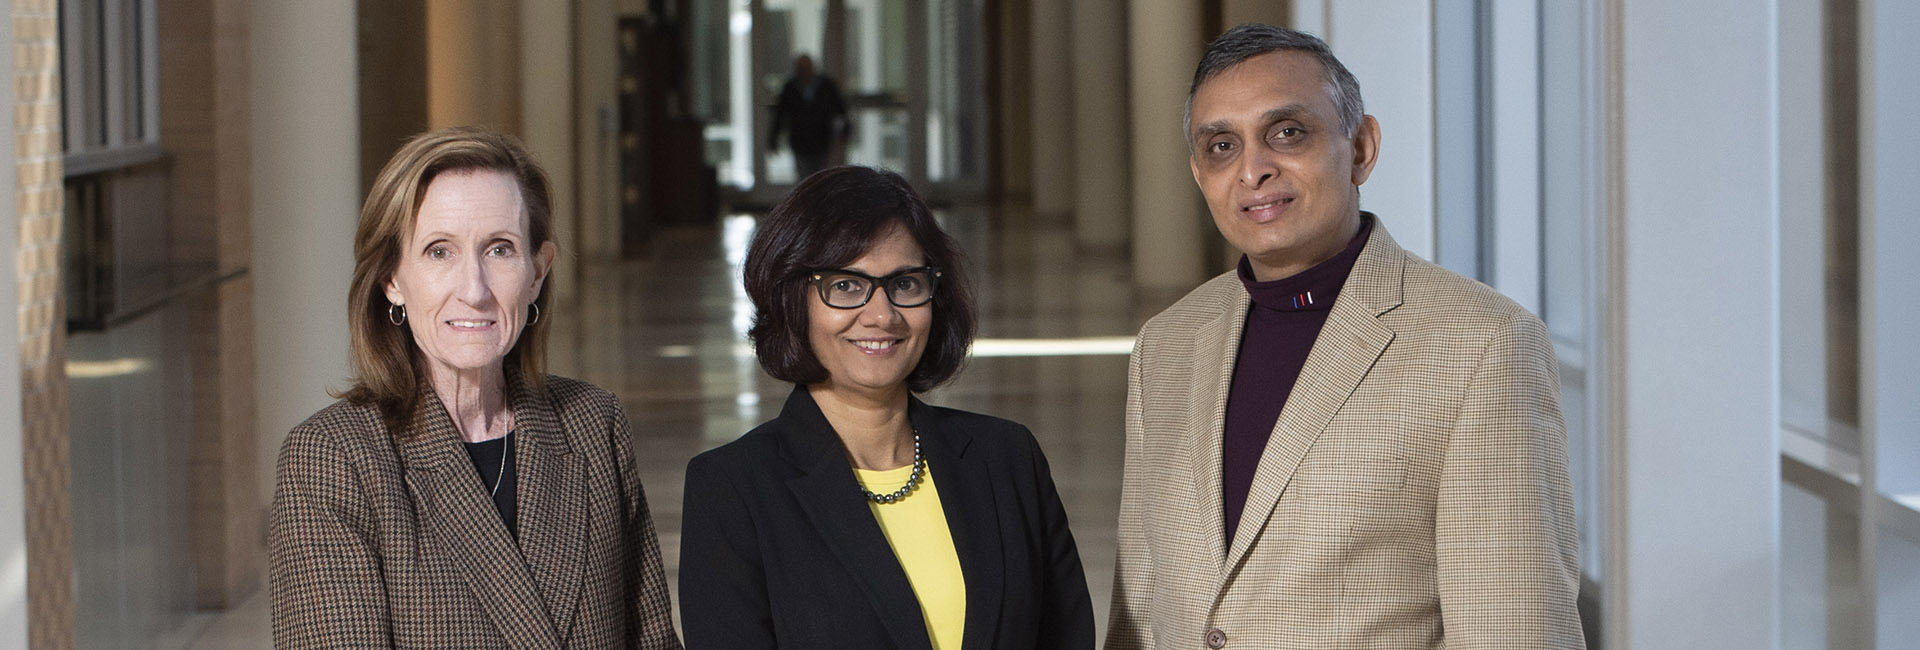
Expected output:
(789, 29)
(1564, 173)
(956, 110)
(1898, 587)
(877, 84)
(1819, 225)
(1820, 593)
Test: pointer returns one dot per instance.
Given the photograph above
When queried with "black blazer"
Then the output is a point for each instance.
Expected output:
(779, 550)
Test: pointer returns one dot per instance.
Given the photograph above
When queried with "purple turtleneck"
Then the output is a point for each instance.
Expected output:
(1282, 323)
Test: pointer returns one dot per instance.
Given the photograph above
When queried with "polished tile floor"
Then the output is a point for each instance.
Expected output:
(667, 333)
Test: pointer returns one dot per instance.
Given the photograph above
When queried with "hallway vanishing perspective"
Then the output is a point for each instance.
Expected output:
(1708, 204)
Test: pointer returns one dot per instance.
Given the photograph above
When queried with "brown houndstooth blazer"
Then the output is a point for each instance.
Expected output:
(380, 541)
(1414, 493)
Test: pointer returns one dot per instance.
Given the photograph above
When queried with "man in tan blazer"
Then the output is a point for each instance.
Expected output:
(1385, 469)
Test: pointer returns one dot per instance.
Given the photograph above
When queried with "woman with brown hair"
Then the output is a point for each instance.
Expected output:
(457, 497)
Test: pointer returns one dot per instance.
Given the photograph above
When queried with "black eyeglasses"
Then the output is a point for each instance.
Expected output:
(849, 289)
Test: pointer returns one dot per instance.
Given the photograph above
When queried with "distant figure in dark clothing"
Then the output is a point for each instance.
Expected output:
(811, 112)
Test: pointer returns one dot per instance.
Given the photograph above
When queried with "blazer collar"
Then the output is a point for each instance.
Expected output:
(829, 494)
(541, 570)
(1352, 339)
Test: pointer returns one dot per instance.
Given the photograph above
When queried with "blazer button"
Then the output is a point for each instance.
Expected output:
(1216, 639)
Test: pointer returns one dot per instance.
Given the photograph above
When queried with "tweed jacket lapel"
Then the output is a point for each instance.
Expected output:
(458, 513)
(551, 503)
(829, 494)
(1349, 343)
(966, 487)
(1215, 350)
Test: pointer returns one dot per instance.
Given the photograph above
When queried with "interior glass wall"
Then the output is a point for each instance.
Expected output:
(908, 71)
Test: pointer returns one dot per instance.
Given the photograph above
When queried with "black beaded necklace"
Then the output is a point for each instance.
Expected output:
(913, 480)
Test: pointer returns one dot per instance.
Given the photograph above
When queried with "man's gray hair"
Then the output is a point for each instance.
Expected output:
(1254, 39)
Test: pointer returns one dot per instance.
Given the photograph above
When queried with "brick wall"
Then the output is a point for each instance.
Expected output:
(37, 184)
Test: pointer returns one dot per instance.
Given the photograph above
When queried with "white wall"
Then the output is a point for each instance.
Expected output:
(1697, 325)
(1388, 46)
(306, 200)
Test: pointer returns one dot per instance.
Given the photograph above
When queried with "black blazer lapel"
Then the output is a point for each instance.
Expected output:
(552, 502)
(830, 496)
(966, 494)
(456, 511)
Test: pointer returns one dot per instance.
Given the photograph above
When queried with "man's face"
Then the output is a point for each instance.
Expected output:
(1280, 177)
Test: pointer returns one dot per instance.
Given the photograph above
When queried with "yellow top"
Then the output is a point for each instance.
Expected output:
(916, 528)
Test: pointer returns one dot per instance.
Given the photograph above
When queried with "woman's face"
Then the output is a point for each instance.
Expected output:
(466, 272)
(874, 347)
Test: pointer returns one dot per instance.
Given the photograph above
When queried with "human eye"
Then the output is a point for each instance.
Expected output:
(1289, 133)
(439, 251)
(501, 249)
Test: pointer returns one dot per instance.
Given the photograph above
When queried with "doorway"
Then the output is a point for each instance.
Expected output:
(911, 73)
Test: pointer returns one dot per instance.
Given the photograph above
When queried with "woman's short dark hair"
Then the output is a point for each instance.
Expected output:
(830, 220)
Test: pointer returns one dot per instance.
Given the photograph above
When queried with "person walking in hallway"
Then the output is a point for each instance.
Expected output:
(1338, 444)
(813, 116)
(862, 517)
(458, 497)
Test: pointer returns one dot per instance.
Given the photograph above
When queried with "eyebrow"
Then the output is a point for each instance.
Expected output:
(439, 235)
(1276, 114)
(877, 275)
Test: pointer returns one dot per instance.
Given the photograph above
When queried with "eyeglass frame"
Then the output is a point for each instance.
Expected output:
(815, 277)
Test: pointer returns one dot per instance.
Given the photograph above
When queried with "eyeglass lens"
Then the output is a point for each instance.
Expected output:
(846, 290)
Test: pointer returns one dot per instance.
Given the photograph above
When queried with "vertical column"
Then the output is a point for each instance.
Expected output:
(1890, 363)
(306, 200)
(596, 162)
(1515, 151)
(473, 63)
(1694, 321)
(1170, 221)
(547, 126)
(1051, 58)
(13, 484)
(1100, 134)
(44, 567)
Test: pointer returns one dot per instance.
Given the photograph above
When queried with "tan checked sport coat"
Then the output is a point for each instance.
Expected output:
(380, 541)
(1414, 493)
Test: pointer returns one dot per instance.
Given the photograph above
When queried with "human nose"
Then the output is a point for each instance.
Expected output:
(1258, 166)
(474, 286)
(879, 310)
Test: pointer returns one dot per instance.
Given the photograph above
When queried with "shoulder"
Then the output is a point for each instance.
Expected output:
(993, 436)
(1435, 294)
(342, 428)
(744, 458)
(1196, 309)
(574, 396)
(336, 448)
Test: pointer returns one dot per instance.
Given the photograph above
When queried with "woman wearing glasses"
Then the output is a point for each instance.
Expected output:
(862, 517)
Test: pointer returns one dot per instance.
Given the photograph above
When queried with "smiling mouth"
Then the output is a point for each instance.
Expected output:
(470, 324)
(1270, 204)
(875, 346)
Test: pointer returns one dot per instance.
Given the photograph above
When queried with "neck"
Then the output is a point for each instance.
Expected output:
(1290, 263)
(476, 401)
(872, 426)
